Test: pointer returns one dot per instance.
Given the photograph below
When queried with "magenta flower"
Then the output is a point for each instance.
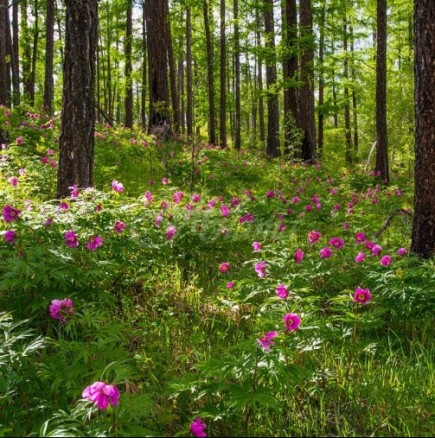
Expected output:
(326, 252)
(256, 246)
(369, 244)
(119, 227)
(148, 196)
(159, 218)
(314, 236)
(270, 194)
(360, 257)
(71, 239)
(261, 268)
(225, 211)
(94, 242)
(360, 237)
(282, 291)
(10, 214)
(170, 232)
(117, 186)
(266, 340)
(295, 199)
(292, 321)
(402, 251)
(165, 181)
(62, 310)
(386, 260)
(376, 250)
(13, 181)
(235, 201)
(19, 141)
(282, 227)
(102, 394)
(63, 206)
(178, 197)
(196, 198)
(362, 296)
(336, 242)
(346, 225)
(197, 427)
(299, 255)
(224, 267)
(10, 236)
(74, 191)
(230, 284)
(248, 217)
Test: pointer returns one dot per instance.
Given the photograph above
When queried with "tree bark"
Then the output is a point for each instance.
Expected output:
(223, 80)
(347, 127)
(49, 51)
(189, 78)
(381, 91)
(15, 55)
(4, 96)
(354, 100)
(321, 77)
(260, 78)
(307, 90)
(272, 146)
(237, 110)
(128, 103)
(423, 231)
(144, 69)
(78, 111)
(34, 54)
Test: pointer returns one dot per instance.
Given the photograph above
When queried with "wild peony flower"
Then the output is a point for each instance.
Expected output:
(248, 217)
(230, 284)
(386, 260)
(256, 246)
(266, 340)
(196, 198)
(299, 255)
(376, 250)
(165, 181)
(13, 181)
(314, 236)
(346, 225)
(326, 252)
(102, 394)
(19, 141)
(148, 196)
(402, 251)
(261, 268)
(235, 201)
(159, 218)
(282, 227)
(94, 242)
(360, 237)
(119, 227)
(362, 296)
(63, 206)
(62, 310)
(197, 427)
(10, 214)
(10, 236)
(71, 239)
(117, 186)
(292, 321)
(282, 291)
(170, 232)
(74, 191)
(225, 211)
(336, 242)
(360, 257)
(224, 267)
(178, 197)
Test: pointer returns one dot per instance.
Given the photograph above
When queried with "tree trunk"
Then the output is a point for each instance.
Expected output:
(49, 50)
(223, 80)
(237, 110)
(381, 91)
(172, 73)
(128, 103)
(27, 56)
(210, 80)
(354, 101)
(4, 97)
(321, 77)
(189, 79)
(158, 66)
(15, 55)
(78, 112)
(272, 146)
(260, 78)
(144, 69)
(347, 128)
(180, 81)
(423, 231)
(34, 54)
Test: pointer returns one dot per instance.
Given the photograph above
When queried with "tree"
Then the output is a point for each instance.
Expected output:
(189, 76)
(381, 91)
(49, 48)
(272, 146)
(423, 231)
(237, 115)
(223, 81)
(78, 112)
(306, 105)
(4, 95)
(128, 103)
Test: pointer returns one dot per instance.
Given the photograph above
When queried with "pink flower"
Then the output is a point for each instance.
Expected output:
(325, 253)
(196, 198)
(282, 291)
(314, 236)
(369, 244)
(13, 181)
(164, 205)
(19, 141)
(266, 340)
(94, 242)
(148, 196)
(117, 186)
(10, 236)
(261, 268)
(248, 217)
(402, 251)
(346, 225)
(309, 207)
(376, 250)
(224, 267)
(177, 197)
(170, 232)
(10, 214)
(225, 211)
(230, 284)
(386, 260)
(74, 191)
(337, 207)
(336, 242)
(197, 427)
(282, 227)
(165, 181)
(63, 206)
(119, 227)
(292, 321)
(256, 246)
(235, 201)
(362, 296)
(295, 199)
(299, 255)
(62, 309)
(159, 218)
(360, 237)
(360, 257)
(102, 394)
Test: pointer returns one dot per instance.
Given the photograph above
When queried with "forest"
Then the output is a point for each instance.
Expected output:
(217, 218)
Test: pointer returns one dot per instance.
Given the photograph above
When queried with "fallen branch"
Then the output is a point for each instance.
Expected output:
(389, 219)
